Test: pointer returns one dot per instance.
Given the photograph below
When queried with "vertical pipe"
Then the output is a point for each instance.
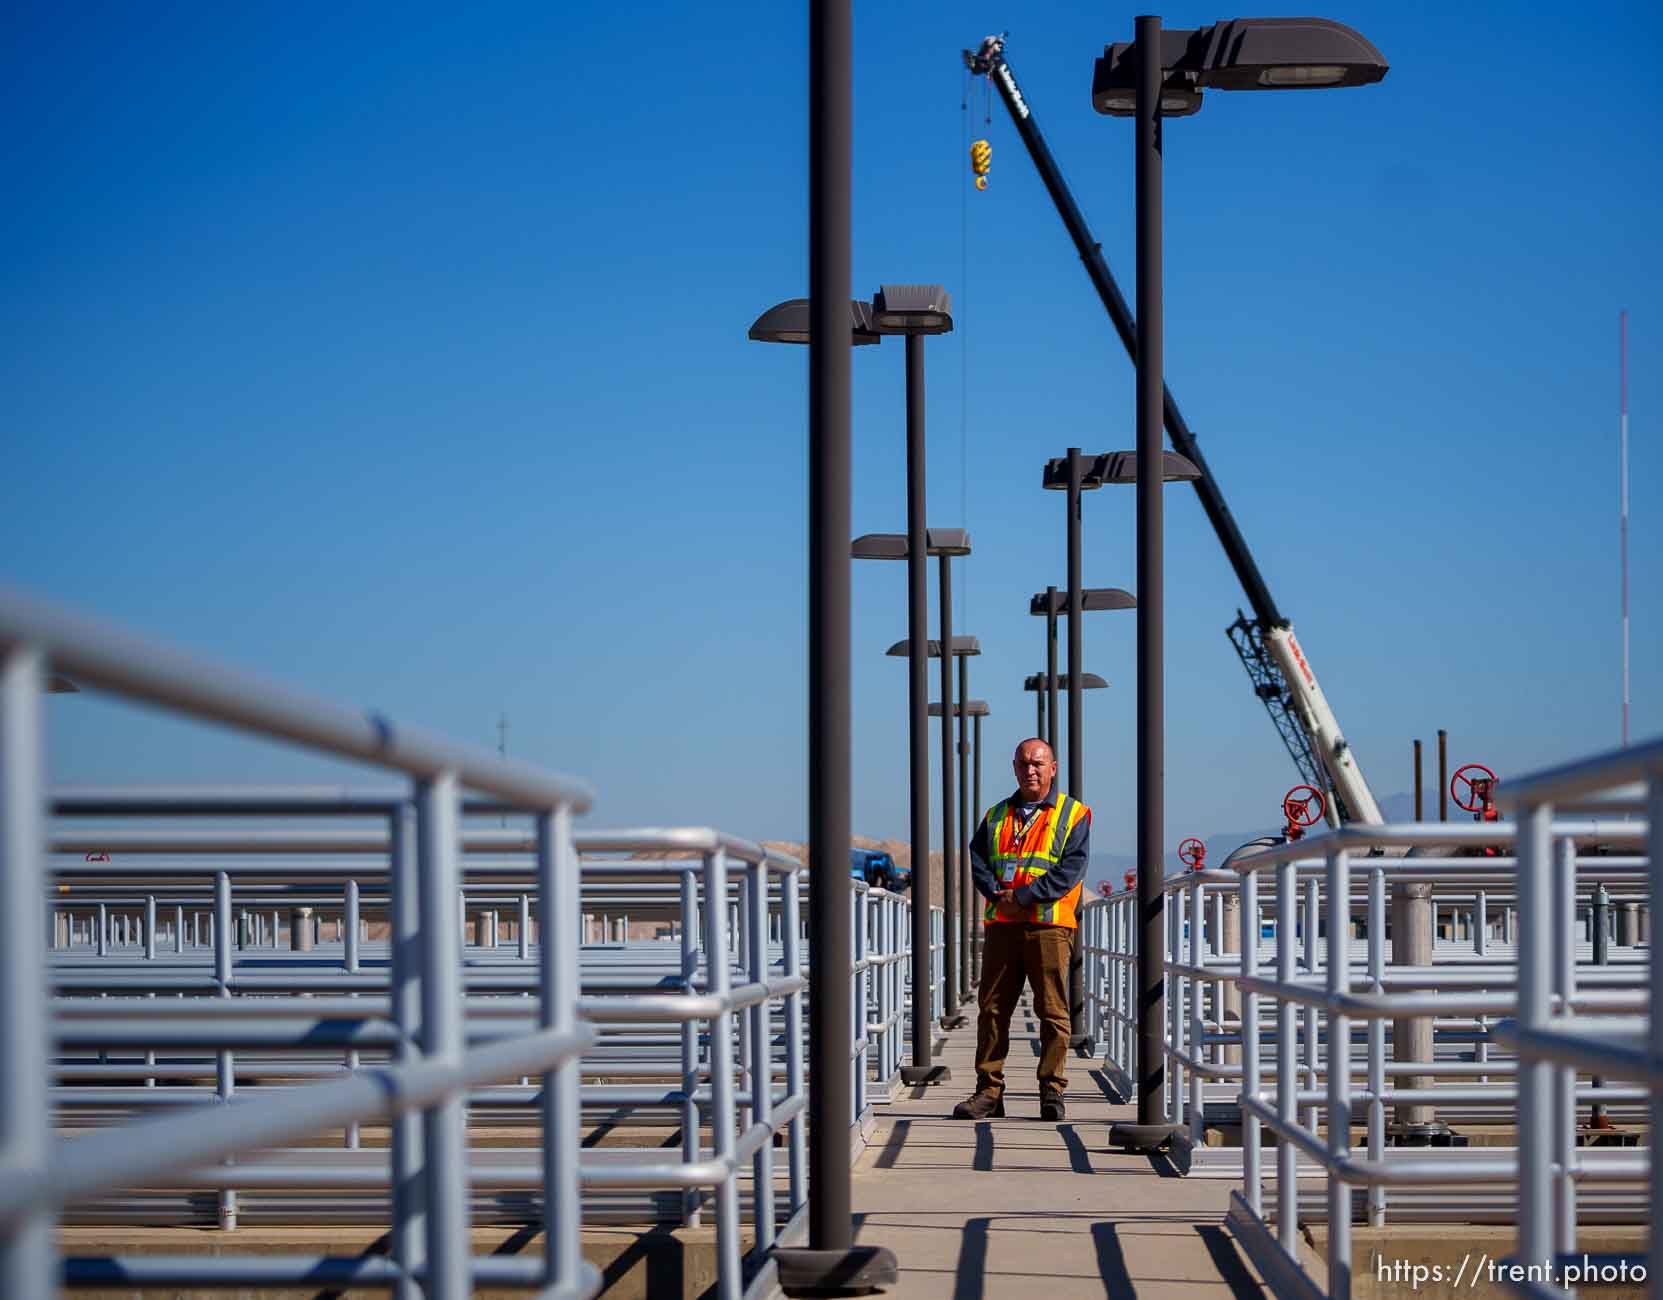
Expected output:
(349, 932)
(1443, 775)
(1051, 684)
(791, 950)
(449, 1253)
(1654, 979)
(1311, 887)
(1175, 1008)
(976, 803)
(966, 890)
(1287, 1074)
(918, 744)
(522, 933)
(1535, 1075)
(1564, 1077)
(1252, 1183)
(949, 831)
(690, 1147)
(1377, 1038)
(28, 1255)
(103, 930)
(835, 1080)
(1039, 711)
(557, 978)
(1339, 1074)
(1151, 654)
(1076, 601)
(178, 928)
(1417, 782)
(150, 927)
(225, 1065)
(1196, 987)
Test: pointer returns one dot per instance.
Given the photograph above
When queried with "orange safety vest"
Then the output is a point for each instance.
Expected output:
(1018, 858)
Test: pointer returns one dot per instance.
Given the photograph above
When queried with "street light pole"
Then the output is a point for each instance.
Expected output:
(1051, 666)
(1076, 711)
(966, 813)
(918, 742)
(830, 102)
(950, 1016)
(1151, 754)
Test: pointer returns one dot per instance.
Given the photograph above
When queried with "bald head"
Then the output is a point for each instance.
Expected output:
(1035, 767)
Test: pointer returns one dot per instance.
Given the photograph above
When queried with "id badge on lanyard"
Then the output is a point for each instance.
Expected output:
(1021, 844)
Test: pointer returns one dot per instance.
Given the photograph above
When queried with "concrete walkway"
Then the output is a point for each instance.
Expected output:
(1018, 1208)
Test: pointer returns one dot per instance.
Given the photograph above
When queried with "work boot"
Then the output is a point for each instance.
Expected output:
(984, 1105)
(1051, 1109)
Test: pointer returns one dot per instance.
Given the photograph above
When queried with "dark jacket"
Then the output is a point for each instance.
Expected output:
(1056, 882)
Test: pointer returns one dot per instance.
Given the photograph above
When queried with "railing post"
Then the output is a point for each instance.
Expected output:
(1564, 1076)
(1377, 1037)
(791, 948)
(1535, 977)
(691, 1197)
(409, 1141)
(1198, 1095)
(559, 985)
(1654, 964)
(1339, 1075)
(349, 940)
(762, 1057)
(225, 1064)
(719, 984)
(1287, 1073)
(28, 1258)
(449, 1244)
(1310, 1050)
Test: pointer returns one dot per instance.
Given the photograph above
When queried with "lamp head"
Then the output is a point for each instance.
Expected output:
(912, 309)
(1239, 54)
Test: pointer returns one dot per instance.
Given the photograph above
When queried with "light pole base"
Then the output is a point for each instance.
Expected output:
(859, 1270)
(1144, 1139)
(954, 1021)
(917, 1076)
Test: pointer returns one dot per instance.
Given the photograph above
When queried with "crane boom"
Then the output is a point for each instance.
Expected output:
(1300, 693)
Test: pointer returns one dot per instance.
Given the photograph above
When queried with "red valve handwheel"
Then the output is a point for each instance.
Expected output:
(1192, 853)
(1462, 779)
(1131, 880)
(1300, 812)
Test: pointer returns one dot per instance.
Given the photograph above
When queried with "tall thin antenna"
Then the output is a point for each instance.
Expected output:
(1622, 424)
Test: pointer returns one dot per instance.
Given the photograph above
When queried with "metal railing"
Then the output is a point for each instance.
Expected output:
(1287, 1020)
(420, 1093)
(168, 1002)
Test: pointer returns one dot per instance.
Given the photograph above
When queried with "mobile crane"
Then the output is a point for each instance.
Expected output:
(1275, 663)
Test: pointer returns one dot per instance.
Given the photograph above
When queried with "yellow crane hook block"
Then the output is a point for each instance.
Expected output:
(981, 158)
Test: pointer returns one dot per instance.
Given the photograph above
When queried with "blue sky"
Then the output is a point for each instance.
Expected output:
(399, 353)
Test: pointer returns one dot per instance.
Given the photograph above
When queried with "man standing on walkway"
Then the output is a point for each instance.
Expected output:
(1029, 861)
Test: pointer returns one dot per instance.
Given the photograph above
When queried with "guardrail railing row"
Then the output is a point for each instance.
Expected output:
(1527, 1007)
(223, 976)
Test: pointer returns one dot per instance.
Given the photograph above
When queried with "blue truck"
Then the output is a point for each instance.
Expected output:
(878, 869)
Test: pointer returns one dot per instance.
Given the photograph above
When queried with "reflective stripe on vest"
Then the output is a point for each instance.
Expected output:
(1020, 855)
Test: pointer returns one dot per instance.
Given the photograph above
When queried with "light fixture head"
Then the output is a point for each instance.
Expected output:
(789, 322)
(1239, 54)
(912, 309)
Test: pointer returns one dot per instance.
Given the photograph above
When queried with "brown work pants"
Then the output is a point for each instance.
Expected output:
(1011, 952)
